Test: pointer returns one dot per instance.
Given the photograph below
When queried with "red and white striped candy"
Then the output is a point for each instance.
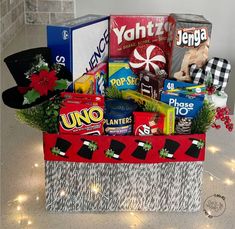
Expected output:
(147, 57)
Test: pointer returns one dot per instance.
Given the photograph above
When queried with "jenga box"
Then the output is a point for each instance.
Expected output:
(189, 37)
(128, 32)
(79, 44)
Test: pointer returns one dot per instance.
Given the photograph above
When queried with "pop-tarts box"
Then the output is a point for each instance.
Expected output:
(184, 107)
(79, 44)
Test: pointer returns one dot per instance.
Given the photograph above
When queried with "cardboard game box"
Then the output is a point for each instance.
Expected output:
(93, 82)
(184, 107)
(79, 44)
(189, 36)
(129, 31)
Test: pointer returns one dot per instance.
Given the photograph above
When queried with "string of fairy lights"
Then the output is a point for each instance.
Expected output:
(26, 221)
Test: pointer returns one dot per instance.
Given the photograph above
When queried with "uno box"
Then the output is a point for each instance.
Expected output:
(190, 38)
(121, 75)
(129, 31)
(81, 114)
(123, 173)
(184, 107)
(79, 44)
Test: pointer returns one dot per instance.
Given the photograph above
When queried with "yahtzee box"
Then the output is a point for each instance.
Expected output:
(79, 44)
(189, 36)
(129, 31)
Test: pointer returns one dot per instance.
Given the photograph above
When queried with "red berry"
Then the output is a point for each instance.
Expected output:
(227, 110)
(218, 127)
(218, 109)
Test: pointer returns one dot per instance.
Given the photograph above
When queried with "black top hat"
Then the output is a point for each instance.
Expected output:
(87, 149)
(195, 148)
(61, 147)
(19, 64)
(115, 149)
(169, 149)
(142, 149)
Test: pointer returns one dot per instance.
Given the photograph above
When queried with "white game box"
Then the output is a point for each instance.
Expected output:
(79, 44)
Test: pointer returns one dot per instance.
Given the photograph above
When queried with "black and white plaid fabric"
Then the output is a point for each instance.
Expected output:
(219, 69)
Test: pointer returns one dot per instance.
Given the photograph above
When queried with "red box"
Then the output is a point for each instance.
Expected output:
(81, 115)
(127, 32)
(148, 123)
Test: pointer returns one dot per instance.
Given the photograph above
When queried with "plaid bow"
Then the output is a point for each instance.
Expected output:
(219, 69)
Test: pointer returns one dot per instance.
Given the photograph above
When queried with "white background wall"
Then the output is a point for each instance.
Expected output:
(220, 13)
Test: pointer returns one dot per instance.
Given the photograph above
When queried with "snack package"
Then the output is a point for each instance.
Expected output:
(79, 44)
(151, 85)
(121, 76)
(148, 123)
(93, 82)
(163, 108)
(81, 114)
(129, 31)
(189, 36)
(118, 117)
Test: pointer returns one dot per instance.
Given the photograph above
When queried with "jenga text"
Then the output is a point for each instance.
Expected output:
(140, 31)
(191, 37)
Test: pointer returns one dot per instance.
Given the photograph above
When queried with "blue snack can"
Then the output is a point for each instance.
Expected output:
(118, 117)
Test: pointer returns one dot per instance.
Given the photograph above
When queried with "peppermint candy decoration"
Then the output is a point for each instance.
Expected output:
(147, 57)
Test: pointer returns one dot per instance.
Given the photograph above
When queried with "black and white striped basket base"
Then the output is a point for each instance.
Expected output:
(123, 187)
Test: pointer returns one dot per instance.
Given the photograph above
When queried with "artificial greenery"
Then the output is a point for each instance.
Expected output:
(113, 93)
(204, 119)
(150, 106)
(44, 116)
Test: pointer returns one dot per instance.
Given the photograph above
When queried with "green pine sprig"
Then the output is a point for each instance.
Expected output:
(150, 106)
(43, 117)
(113, 93)
(204, 119)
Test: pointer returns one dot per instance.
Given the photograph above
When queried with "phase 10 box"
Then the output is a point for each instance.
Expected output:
(79, 44)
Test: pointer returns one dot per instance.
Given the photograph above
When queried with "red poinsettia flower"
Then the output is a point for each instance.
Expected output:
(43, 82)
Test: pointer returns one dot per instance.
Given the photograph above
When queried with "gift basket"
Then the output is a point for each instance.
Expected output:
(124, 103)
